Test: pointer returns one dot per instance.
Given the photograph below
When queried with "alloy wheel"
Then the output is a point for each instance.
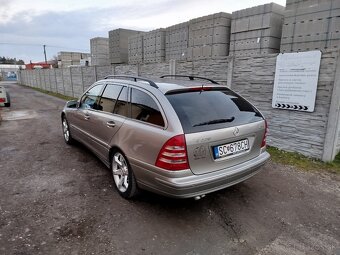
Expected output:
(120, 171)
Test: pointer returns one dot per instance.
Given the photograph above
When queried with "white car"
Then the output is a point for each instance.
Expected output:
(4, 97)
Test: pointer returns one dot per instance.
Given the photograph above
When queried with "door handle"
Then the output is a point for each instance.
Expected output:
(86, 116)
(110, 124)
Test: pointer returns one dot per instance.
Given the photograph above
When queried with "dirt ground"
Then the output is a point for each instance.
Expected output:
(59, 199)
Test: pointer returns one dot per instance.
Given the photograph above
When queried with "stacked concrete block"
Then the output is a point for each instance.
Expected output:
(66, 59)
(135, 50)
(176, 41)
(99, 51)
(154, 46)
(256, 30)
(209, 36)
(118, 45)
(311, 25)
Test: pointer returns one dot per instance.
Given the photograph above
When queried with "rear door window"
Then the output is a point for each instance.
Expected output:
(122, 106)
(144, 108)
(212, 109)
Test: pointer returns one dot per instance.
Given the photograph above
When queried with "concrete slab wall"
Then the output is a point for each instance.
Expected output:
(253, 77)
(315, 134)
(216, 69)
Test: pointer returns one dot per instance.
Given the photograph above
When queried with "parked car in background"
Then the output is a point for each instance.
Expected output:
(11, 76)
(4, 97)
(179, 138)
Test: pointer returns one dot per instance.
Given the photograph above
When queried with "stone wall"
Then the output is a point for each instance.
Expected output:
(315, 134)
(216, 69)
(253, 78)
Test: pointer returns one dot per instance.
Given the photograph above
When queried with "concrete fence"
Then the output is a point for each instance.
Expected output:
(315, 134)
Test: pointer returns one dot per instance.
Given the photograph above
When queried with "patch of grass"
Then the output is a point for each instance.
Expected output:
(61, 96)
(303, 162)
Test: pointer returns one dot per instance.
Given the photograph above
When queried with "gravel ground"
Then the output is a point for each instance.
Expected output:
(59, 199)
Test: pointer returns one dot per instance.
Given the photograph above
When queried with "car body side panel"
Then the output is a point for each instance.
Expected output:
(140, 141)
(71, 116)
(100, 133)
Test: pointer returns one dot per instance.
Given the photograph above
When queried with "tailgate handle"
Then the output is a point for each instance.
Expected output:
(110, 124)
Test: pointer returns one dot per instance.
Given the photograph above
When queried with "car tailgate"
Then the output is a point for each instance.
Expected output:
(218, 149)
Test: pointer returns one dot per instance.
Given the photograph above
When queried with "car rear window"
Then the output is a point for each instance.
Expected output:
(212, 109)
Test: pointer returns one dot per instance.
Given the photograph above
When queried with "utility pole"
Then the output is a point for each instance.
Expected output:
(45, 53)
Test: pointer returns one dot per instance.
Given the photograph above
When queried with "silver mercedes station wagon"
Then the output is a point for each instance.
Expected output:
(179, 136)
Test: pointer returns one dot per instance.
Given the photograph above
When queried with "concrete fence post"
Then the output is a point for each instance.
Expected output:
(95, 73)
(172, 67)
(55, 78)
(49, 79)
(37, 79)
(230, 71)
(329, 149)
(62, 78)
(40, 81)
(82, 79)
(71, 81)
(43, 79)
(113, 69)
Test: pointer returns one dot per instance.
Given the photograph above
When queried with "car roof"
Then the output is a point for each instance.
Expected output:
(165, 84)
(165, 87)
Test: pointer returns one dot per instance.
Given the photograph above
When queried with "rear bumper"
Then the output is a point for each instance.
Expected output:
(184, 184)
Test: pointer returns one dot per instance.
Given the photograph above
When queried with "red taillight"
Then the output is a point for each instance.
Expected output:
(173, 155)
(2, 100)
(265, 134)
(200, 88)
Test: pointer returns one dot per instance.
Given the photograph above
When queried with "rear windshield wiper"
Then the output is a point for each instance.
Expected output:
(215, 122)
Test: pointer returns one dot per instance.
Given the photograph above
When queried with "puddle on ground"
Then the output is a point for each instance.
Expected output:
(18, 115)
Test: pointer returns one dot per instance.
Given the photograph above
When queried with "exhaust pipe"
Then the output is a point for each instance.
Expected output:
(199, 197)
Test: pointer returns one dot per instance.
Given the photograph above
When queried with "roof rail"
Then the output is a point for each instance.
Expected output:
(190, 77)
(134, 78)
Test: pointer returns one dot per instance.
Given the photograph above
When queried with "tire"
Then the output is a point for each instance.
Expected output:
(66, 131)
(123, 177)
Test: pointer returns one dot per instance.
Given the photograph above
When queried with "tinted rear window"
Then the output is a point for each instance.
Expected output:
(214, 109)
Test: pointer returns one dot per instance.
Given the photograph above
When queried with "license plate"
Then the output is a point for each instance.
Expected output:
(231, 148)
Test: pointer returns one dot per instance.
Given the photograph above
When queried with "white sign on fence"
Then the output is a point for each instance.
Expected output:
(296, 80)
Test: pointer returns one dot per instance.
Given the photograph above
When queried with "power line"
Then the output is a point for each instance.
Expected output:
(39, 45)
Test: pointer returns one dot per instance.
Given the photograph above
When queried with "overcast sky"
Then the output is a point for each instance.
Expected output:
(68, 25)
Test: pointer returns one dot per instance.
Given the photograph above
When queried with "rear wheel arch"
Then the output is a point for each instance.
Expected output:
(114, 149)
